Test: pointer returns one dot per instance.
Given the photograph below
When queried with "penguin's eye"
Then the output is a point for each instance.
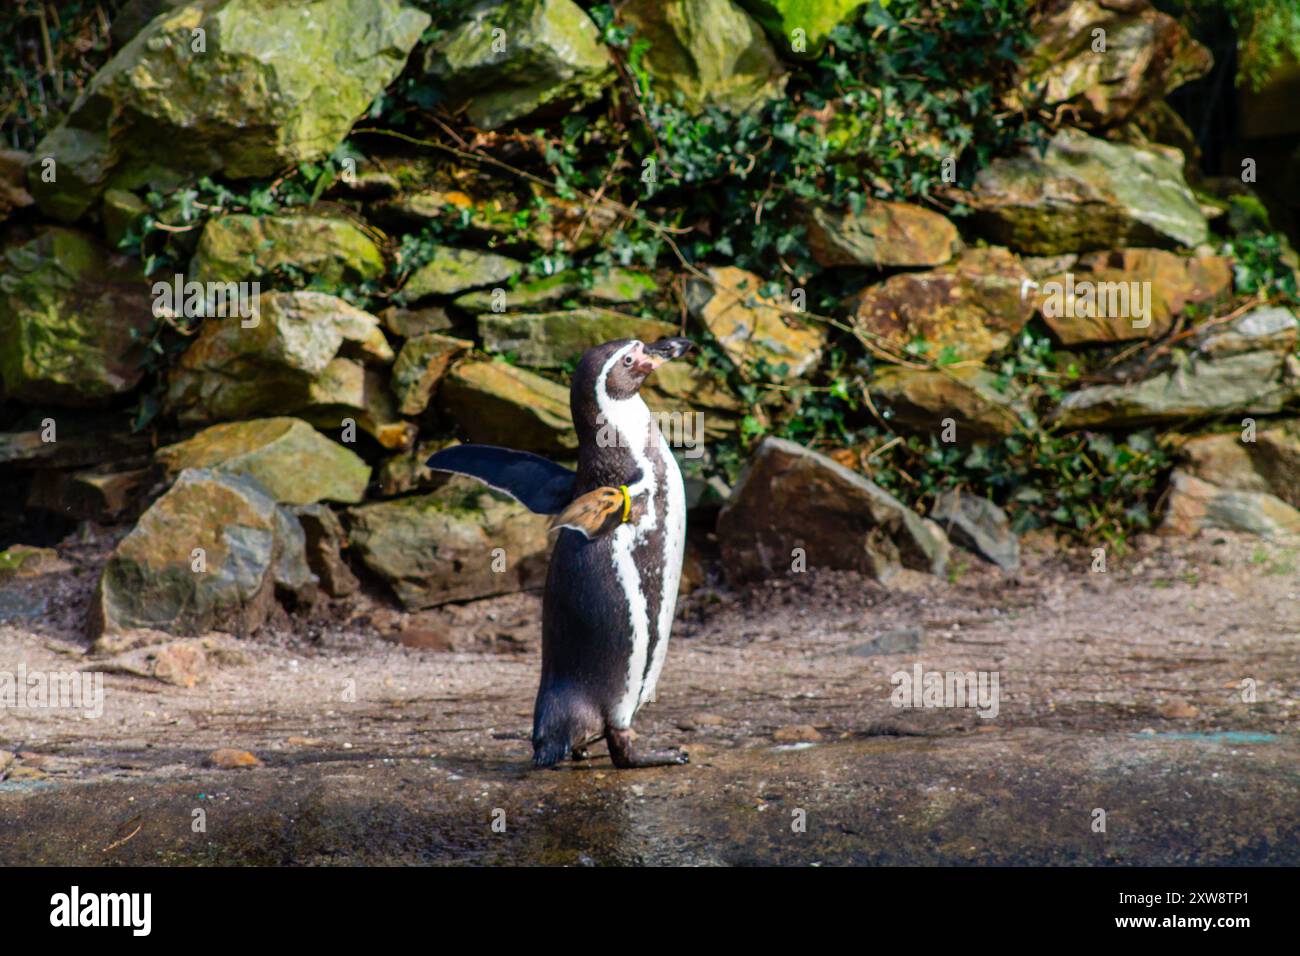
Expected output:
(628, 360)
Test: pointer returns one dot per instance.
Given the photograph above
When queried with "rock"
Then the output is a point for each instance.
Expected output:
(248, 104)
(1194, 505)
(969, 309)
(325, 541)
(295, 463)
(613, 286)
(705, 53)
(7, 758)
(1084, 194)
(1251, 382)
(814, 19)
(419, 368)
(980, 525)
(208, 555)
(1269, 328)
(227, 758)
(406, 471)
(1269, 464)
(790, 497)
(455, 270)
(104, 494)
(120, 212)
(349, 392)
(498, 404)
(69, 442)
(13, 182)
(904, 640)
(241, 247)
(882, 234)
(557, 339)
(408, 323)
(1147, 55)
(554, 54)
(921, 399)
(1095, 301)
(797, 733)
(447, 545)
(230, 371)
(72, 319)
(25, 561)
(684, 391)
(751, 328)
(1177, 708)
(179, 663)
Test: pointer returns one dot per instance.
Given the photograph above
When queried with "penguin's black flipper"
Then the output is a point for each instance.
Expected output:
(540, 485)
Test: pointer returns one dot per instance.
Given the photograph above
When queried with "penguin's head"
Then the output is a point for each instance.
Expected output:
(619, 368)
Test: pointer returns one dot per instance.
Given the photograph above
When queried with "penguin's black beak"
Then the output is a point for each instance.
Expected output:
(665, 350)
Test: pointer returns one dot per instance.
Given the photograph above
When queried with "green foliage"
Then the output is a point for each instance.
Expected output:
(1268, 32)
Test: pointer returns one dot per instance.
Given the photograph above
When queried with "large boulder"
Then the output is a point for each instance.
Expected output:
(1087, 193)
(752, 328)
(556, 339)
(1244, 368)
(239, 247)
(294, 462)
(232, 371)
(1130, 294)
(921, 399)
(509, 59)
(1147, 54)
(458, 543)
(73, 320)
(882, 234)
(495, 403)
(705, 53)
(792, 498)
(969, 308)
(799, 28)
(210, 554)
(239, 88)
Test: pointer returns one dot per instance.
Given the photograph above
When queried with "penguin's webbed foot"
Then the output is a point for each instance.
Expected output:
(625, 758)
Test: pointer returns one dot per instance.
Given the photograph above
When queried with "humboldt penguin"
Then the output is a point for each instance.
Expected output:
(611, 589)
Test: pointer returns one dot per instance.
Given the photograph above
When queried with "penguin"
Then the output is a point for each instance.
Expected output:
(620, 534)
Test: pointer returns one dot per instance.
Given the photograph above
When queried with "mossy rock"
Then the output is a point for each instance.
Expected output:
(73, 319)
(275, 83)
(242, 247)
(294, 462)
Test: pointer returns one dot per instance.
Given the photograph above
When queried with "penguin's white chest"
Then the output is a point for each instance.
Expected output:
(656, 539)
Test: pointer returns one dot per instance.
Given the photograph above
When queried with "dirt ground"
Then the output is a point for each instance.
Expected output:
(1120, 692)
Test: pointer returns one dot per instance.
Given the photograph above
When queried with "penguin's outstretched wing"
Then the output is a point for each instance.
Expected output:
(540, 485)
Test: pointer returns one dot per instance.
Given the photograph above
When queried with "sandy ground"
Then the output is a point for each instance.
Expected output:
(1120, 692)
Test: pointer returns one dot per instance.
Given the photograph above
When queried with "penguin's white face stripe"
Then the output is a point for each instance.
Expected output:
(630, 418)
